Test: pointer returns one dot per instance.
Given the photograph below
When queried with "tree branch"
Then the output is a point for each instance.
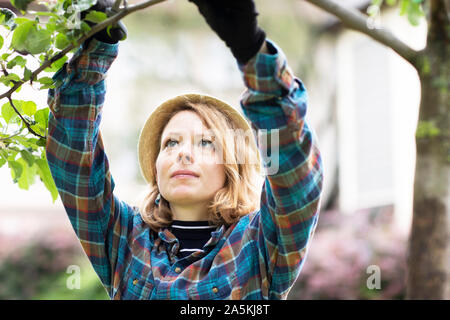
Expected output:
(355, 20)
(23, 119)
(438, 20)
(98, 27)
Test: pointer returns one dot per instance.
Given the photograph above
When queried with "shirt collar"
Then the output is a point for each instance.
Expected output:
(172, 243)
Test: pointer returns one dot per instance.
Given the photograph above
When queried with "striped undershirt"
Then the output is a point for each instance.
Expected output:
(192, 235)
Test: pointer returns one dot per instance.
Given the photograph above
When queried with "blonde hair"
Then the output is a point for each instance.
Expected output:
(242, 190)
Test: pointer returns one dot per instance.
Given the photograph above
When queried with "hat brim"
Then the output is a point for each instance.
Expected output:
(148, 145)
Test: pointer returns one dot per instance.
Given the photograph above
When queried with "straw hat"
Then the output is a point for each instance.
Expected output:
(149, 144)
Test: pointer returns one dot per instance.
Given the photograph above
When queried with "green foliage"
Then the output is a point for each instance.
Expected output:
(38, 271)
(37, 36)
(25, 155)
(427, 129)
(96, 16)
(21, 4)
(30, 38)
(412, 9)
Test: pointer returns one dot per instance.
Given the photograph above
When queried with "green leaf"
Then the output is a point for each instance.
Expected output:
(1, 42)
(19, 39)
(404, 5)
(41, 142)
(51, 25)
(47, 83)
(45, 80)
(28, 175)
(27, 156)
(2, 162)
(12, 154)
(29, 107)
(18, 60)
(39, 41)
(5, 56)
(55, 66)
(41, 118)
(61, 41)
(4, 155)
(16, 169)
(46, 177)
(21, 4)
(6, 80)
(47, 86)
(415, 12)
(8, 112)
(50, 14)
(85, 27)
(29, 143)
(27, 38)
(38, 129)
(27, 73)
(21, 20)
(96, 16)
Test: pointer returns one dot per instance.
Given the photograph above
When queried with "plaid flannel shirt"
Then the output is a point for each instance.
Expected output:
(259, 257)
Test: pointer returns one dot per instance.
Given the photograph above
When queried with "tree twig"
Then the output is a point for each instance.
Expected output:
(9, 137)
(355, 20)
(5, 72)
(98, 27)
(23, 119)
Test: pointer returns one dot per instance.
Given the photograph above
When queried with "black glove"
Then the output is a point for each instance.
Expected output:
(118, 31)
(235, 23)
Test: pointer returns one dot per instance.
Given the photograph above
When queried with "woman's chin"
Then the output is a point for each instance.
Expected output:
(186, 196)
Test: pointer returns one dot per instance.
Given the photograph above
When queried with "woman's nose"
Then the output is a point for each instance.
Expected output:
(185, 154)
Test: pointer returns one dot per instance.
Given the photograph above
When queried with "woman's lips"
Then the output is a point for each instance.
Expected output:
(184, 176)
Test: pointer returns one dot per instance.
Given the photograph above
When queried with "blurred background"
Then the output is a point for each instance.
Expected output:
(363, 105)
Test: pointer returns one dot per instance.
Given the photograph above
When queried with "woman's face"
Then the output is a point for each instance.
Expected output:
(186, 144)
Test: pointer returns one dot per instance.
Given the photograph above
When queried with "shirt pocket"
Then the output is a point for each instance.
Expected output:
(138, 281)
(216, 288)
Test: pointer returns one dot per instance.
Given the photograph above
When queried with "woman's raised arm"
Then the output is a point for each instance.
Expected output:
(276, 101)
(79, 165)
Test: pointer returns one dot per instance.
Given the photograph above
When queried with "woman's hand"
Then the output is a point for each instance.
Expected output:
(117, 32)
(235, 23)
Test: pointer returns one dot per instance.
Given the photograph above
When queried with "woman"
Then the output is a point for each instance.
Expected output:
(207, 229)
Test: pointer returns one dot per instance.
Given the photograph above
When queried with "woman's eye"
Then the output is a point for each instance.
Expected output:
(206, 143)
(168, 143)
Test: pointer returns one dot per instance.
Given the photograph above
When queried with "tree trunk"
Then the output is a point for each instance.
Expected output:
(429, 244)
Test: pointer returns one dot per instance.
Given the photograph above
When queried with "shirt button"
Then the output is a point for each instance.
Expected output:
(215, 290)
(177, 269)
(135, 281)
